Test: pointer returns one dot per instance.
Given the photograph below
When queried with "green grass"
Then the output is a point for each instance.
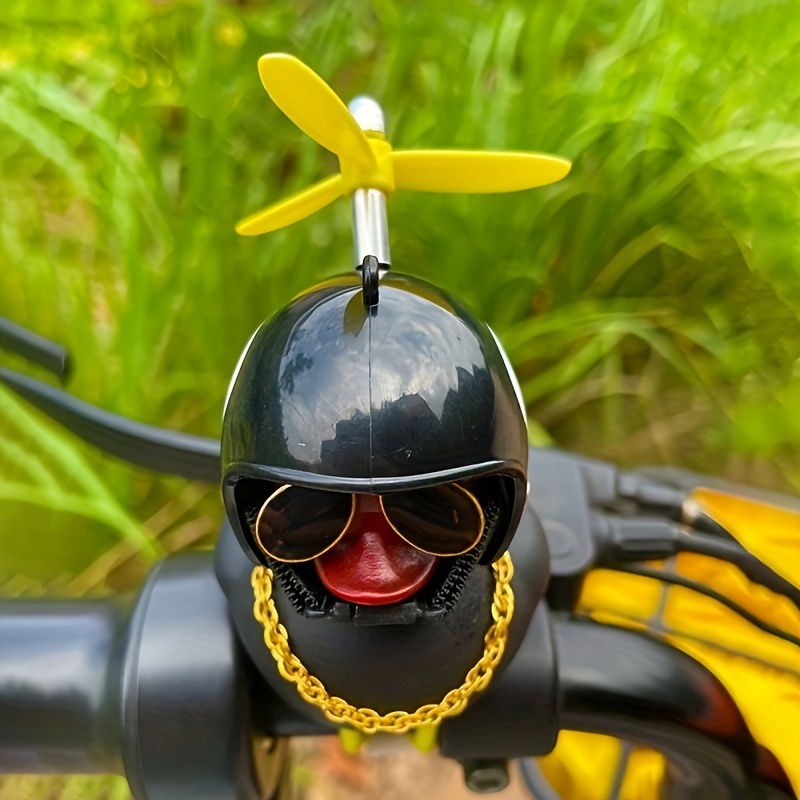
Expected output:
(650, 301)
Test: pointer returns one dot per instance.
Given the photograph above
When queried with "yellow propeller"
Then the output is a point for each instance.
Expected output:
(366, 159)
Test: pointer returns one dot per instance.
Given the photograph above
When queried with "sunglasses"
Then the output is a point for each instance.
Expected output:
(296, 524)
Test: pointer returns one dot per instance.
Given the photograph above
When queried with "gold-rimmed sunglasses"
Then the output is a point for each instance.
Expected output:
(297, 524)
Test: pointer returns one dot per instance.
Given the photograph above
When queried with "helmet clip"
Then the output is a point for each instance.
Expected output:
(370, 276)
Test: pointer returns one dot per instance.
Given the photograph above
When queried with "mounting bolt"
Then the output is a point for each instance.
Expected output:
(486, 775)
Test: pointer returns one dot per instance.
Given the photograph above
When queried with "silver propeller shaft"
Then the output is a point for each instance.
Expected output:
(370, 228)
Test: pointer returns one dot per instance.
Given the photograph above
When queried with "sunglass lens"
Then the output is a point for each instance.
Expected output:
(298, 524)
(444, 520)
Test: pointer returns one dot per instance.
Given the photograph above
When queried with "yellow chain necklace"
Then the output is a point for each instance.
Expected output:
(365, 719)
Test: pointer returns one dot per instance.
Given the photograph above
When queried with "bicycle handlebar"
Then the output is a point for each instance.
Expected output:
(157, 688)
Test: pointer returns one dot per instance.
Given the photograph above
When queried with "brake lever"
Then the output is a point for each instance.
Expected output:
(36, 348)
(157, 449)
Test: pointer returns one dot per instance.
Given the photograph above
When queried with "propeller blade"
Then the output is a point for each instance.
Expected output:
(294, 208)
(474, 171)
(314, 107)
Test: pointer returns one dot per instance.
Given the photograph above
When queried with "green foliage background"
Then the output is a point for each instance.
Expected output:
(650, 302)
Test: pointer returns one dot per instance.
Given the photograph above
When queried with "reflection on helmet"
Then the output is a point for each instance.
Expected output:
(413, 393)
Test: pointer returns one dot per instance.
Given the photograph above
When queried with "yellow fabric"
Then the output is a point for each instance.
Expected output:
(636, 600)
(761, 671)
(643, 775)
(769, 699)
(770, 533)
(584, 767)
(731, 582)
(629, 595)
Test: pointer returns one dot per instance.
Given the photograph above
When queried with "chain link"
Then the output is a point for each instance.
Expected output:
(367, 720)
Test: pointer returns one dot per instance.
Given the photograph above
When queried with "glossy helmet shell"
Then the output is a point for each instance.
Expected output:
(411, 393)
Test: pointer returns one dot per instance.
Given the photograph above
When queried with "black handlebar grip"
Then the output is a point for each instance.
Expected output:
(59, 692)
(153, 689)
(156, 688)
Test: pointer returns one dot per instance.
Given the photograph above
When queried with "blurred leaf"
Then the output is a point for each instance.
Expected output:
(54, 467)
(648, 290)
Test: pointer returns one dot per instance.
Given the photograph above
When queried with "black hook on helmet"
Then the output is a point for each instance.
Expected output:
(370, 277)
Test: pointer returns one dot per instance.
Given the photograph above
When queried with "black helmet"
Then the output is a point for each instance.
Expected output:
(389, 390)
(411, 393)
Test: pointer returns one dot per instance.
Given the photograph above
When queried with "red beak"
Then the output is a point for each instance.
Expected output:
(371, 564)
